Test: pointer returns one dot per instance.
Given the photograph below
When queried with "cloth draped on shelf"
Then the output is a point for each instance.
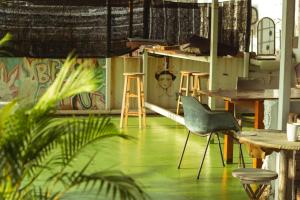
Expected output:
(95, 28)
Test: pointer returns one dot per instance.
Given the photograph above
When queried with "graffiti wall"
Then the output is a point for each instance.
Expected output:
(30, 77)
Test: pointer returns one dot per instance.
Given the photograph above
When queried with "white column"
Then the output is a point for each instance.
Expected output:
(108, 85)
(213, 80)
(288, 21)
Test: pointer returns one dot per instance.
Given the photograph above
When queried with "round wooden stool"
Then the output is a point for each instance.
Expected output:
(128, 94)
(261, 177)
(197, 77)
(185, 87)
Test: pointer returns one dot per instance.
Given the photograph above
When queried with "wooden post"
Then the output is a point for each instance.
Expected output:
(228, 141)
(130, 17)
(145, 71)
(288, 21)
(146, 18)
(213, 80)
(108, 31)
(108, 85)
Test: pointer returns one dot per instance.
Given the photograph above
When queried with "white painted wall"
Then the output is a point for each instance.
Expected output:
(228, 69)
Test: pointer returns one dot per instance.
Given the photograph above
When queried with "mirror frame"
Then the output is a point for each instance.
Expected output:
(274, 38)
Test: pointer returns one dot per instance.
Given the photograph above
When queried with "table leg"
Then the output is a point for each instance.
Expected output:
(285, 175)
(258, 123)
(259, 114)
(257, 163)
(228, 141)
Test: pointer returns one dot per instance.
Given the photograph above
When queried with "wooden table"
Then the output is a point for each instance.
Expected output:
(272, 140)
(257, 97)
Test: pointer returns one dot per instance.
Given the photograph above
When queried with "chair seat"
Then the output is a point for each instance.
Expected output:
(253, 175)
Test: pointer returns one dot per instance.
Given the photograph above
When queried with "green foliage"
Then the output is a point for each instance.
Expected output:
(33, 142)
(4, 42)
(5, 39)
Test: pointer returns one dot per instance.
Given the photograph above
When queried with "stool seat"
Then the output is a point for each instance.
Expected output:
(188, 72)
(202, 74)
(133, 74)
(260, 177)
(254, 175)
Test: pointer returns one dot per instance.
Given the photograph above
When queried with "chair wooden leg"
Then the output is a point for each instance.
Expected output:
(199, 88)
(202, 161)
(186, 141)
(260, 190)
(220, 149)
(123, 101)
(139, 101)
(187, 85)
(254, 195)
(179, 94)
(143, 102)
(127, 102)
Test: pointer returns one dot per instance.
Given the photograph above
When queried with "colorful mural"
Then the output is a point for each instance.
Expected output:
(30, 77)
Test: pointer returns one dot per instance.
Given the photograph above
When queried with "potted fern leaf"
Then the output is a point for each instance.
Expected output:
(34, 142)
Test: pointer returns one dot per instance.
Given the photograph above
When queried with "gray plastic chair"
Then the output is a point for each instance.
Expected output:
(200, 120)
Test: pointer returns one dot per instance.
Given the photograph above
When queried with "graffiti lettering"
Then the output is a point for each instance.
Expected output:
(28, 77)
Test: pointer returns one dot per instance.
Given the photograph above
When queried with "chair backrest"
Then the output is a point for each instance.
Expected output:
(200, 119)
(195, 115)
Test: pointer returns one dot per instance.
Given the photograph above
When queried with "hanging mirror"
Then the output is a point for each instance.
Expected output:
(266, 37)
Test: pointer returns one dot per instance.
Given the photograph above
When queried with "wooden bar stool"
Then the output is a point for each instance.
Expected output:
(128, 94)
(260, 177)
(185, 87)
(197, 77)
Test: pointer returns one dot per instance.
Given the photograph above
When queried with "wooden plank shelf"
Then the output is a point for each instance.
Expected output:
(177, 118)
(178, 54)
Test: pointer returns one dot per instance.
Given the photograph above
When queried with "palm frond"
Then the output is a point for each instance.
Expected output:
(32, 141)
(112, 183)
(70, 81)
(5, 39)
(5, 112)
(79, 133)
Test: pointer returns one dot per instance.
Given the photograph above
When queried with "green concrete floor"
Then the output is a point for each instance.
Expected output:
(152, 160)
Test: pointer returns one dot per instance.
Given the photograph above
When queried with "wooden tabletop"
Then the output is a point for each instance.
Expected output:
(271, 139)
(238, 95)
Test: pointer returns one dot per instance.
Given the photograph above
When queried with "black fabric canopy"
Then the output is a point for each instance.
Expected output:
(97, 28)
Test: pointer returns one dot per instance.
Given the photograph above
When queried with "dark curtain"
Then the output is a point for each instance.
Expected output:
(176, 22)
(97, 28)
(235, 24)
(173, 22)
(54, 28)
